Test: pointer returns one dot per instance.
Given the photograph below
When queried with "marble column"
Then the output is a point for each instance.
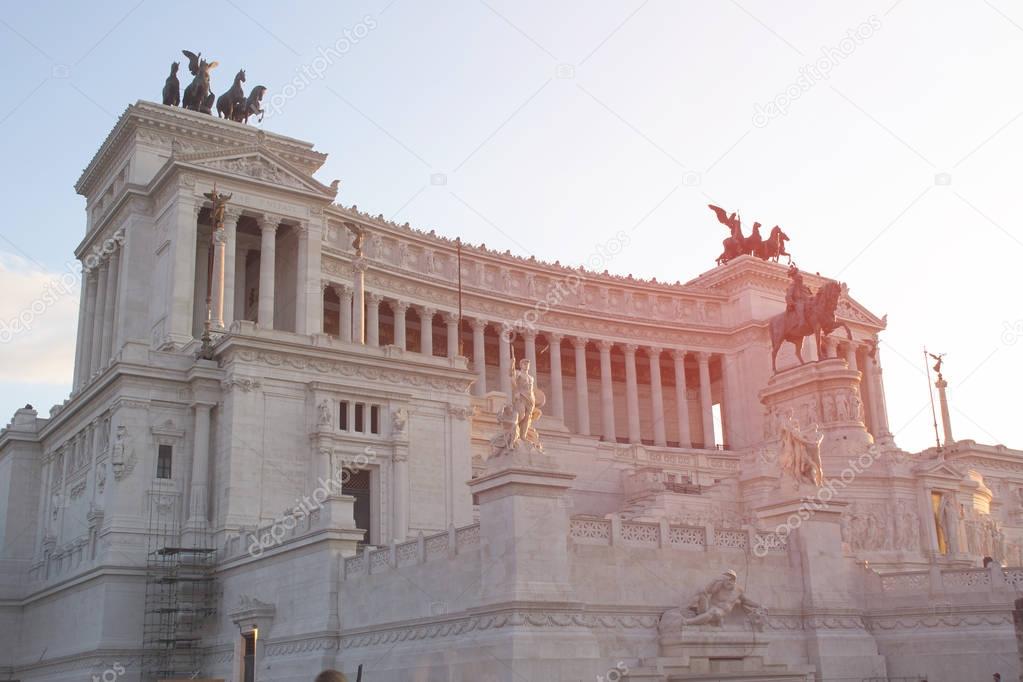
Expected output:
(582, 390)
(557, 390)
(400, 309)
(219, 275)
(95, 363)
(479, 356)
(344, 297)
(197, 507)
(401, 493)
(97, 444)
(84, 370)
(373, 319)
(530, 346)
(359, 266)
(657, 396)
(303, 290)
(850, 355)
(230, 260)
(267, 260)
(110, 307)
(706, 405)
(632, 394)
(451, 320)
(607, 396)
(681, 400)
(504, 358)
(877, 401)
(426, 330)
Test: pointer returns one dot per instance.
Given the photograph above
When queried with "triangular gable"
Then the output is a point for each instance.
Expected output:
(940, 469)
(256, 163)
(852, 310)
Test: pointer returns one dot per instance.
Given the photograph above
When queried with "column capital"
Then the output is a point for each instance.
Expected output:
(605, 346)
(654, 351)
(630, 348)
(373, 298)
(703, 357)
(426, 311)
(399, 306)
(196, 209)
(479, 324)
(679, 354)
(450, 317)
(580, 341)
(529, 335)
(268, 222)
(554, 337)
(231, 216)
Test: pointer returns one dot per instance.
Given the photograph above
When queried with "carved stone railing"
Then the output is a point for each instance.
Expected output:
(424, 548)
(938, 580)
(596, 531)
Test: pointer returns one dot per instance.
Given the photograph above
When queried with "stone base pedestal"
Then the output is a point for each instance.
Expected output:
(524, 522)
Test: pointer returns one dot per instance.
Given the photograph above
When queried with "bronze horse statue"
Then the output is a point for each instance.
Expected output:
(737, 244)
(820, 321)
(251, 105)
(172, 88)
(197, 95)
(233, 100)
(774, 246)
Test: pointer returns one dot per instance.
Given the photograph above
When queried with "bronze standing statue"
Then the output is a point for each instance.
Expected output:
(172, 88)
(806, 314)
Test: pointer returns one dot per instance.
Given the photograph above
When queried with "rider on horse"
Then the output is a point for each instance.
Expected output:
(796, 298)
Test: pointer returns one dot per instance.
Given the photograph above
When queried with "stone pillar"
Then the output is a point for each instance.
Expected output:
(344, 297)
(632, 394)
(110, 308)
(219, 275)
(426, 330)
(607, 396)
(877, 394)
(359, 301)
(946, 420)
(230, 260)
(267, 259)
(400, 308)
(504, 358)
(401, 493)
(681, 400)
(451, 320)
(557, 390)
(197, 512)
(84, 369)
(97, 443)
(582, 390)
(373, 319)
(706, 405)
(657, 396)
(479, 357)
(95, 363)
(530, 346)
(303, 290)
(181, 284)
(850, 355)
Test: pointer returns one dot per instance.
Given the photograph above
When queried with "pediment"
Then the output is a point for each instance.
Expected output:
(941, 469)
(258, 164)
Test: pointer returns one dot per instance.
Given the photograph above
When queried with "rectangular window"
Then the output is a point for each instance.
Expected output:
(343, 417)
(374, 419)
(163, 461)
(360, 426)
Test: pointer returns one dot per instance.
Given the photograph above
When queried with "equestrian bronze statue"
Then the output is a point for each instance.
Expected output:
(806, 314)
(197, 95)
(737, 244)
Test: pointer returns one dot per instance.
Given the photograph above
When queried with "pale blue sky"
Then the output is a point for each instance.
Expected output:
(558, 124)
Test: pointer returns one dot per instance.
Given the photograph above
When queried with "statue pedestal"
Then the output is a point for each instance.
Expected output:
(717, 653)
(524, 527)
(825, 393)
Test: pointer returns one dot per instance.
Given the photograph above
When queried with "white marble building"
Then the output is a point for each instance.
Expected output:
(431, 561)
